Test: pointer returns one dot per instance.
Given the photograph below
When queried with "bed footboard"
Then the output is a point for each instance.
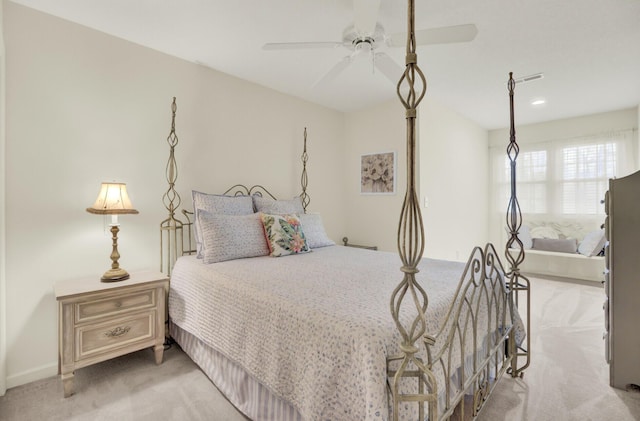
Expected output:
(477, 343)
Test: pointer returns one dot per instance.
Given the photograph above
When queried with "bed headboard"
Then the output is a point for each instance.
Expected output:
(176, 235)
(236, 190)
(242, 190)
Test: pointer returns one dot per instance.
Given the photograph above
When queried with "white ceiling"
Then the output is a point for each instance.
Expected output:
(588, 50)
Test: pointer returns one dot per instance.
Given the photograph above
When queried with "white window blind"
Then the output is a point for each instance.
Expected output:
(531, 173)
(585, 178)
(564, 177)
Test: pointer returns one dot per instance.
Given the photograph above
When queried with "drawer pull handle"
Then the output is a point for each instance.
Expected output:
(119, 331)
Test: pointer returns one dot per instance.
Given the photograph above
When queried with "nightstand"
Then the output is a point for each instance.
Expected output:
(98, 321)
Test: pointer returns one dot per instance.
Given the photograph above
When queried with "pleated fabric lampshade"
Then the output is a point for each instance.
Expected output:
(113, 200)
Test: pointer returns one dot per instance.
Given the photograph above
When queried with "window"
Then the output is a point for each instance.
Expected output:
(531, 174)
(566, 177)
(585, 177)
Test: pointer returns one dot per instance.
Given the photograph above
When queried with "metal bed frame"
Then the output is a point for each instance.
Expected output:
(483, 271)
(476, 298)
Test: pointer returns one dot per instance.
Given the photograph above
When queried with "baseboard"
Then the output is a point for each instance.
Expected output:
(36, 373)
(587, 282)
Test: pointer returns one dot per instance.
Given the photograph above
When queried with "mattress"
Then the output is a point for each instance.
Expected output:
(315, 328)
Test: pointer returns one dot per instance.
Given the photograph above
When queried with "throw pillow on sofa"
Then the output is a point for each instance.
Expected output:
(560, 245)
(592, 244)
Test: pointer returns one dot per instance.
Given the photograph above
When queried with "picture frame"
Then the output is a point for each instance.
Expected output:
(378, 173)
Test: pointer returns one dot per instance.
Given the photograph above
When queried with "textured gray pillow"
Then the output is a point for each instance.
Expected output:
(592, 243)
(562, 245)
(229, 237)
(278, 207)
(314, 230)
(217, 204)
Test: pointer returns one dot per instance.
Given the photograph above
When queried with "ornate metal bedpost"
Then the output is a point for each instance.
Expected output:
(517, 281)
(171, 233)
(411, 248)
(304, 180)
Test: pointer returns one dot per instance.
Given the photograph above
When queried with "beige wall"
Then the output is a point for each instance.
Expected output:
(453, 175)
(454, 180)
(569, 127)
(84, 107)
(373, 219)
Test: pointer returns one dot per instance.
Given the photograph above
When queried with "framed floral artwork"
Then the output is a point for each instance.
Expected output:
(378, 173)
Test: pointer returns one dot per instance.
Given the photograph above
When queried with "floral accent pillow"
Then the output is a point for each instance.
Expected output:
(284, 234)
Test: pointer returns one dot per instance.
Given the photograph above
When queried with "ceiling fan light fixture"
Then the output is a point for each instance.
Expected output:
(364, 45)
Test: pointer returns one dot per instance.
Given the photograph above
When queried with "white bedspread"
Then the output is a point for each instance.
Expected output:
(309, 327)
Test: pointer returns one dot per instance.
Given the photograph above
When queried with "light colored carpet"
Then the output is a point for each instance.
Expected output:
(568, 378)
(128, 388)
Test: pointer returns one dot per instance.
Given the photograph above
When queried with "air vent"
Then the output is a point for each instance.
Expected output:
(530, 78)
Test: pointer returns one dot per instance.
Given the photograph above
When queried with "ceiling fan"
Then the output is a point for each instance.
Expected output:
(366, 35)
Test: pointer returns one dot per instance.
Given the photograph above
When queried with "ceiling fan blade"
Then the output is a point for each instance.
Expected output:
(388, 67)
(443, 35)
(300, 45)
(365, 16)
(335, 71)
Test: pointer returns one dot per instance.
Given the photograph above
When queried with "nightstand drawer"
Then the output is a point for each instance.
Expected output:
(95, 339)
(90, 310)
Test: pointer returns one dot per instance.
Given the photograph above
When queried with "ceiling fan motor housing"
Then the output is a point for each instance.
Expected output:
(363, 42)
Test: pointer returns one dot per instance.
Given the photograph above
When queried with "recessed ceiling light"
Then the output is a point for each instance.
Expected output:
(538, 101)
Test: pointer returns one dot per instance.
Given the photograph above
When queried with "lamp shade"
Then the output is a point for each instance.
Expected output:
(112, 200)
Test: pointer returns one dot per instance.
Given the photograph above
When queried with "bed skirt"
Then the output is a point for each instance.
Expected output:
(247, 394)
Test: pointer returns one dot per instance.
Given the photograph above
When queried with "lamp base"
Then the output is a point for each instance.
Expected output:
(115, 275)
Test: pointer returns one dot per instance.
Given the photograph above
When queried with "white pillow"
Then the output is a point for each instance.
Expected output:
(281, 207)
(314, 230)
(229, 237)
(592, 243)
(214, 203)
(524, 234)
(544, 232)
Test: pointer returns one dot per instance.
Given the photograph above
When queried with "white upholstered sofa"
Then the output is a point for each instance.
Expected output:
(566, 248)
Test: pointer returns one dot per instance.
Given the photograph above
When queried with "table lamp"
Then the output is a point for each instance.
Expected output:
(113, 200)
